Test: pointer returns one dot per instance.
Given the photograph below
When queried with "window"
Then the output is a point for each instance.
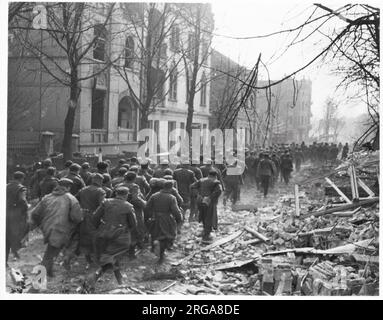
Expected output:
(129, 52)
(98, 107)
(157, 81)
(188, 85)
(127, 114)
(203, 90)
(173, 83)
(175, 38)
(157, 131)
(155, 24)
(204, 48)
(163, 50)
(191, 46)
(100, 42)
(171, 127)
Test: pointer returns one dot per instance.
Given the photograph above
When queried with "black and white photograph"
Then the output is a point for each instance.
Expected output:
(186, 150)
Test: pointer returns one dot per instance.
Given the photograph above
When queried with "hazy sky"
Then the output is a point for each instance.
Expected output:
(245, 18)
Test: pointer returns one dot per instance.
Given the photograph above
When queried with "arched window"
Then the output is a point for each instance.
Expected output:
(129, 52)
(173, 77)
(100, 43)
(203, 90)
(127, 114)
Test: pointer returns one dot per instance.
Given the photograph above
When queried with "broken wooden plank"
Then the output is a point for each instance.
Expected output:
(366, 202)
(342, 195)
(296, 193)
(234, 264)
(348, 248)
(365, 258)
(354, 183)
(326, 230)
(244, 207)
(223, 240)
(256, 234)
(252, 241)
(215, 244)
(345, 249)
(366, 188)
(169, 286)
(346, 213)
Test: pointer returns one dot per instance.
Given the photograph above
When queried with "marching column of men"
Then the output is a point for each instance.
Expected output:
(105, 212)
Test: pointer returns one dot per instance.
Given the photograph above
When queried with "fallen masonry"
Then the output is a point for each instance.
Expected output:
(330, 249)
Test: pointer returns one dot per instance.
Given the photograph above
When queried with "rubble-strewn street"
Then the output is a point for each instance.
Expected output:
(260, 248)
(192, 149)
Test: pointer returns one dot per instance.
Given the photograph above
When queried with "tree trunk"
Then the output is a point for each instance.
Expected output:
(144, 124)
(66, 147)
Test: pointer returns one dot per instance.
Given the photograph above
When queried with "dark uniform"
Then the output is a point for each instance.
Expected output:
(47, 185)
(232, 186)
(90, 199)
(298, 158)
(184, 178)
(209, 190)
(265, 172)
(16, 216)
(78, 183)
(116, 220)
(193, 195)
(164, 215)
(286, 167)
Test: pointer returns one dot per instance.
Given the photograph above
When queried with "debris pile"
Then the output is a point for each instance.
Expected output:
(326, 247)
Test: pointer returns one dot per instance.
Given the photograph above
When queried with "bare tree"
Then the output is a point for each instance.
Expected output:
(195, 52)
(330, 124)
(150, 25)
(76, 33)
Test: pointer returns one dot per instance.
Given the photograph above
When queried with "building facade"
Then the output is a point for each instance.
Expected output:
(290, 109)
(107, 115)
(227, 90)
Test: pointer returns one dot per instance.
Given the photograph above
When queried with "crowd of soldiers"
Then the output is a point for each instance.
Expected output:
(107, 212)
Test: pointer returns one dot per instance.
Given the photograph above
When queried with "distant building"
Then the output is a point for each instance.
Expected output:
(290, 106)
(226, 103)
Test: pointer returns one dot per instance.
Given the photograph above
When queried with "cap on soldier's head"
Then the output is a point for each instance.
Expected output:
(125, 165)
(122, 191)
(85, 165)
(153, 182)
(213, 173)
(130, 176)
(121, 161)
(122, 171)
(97, 177)
(47, 163)
(134, 168)
(168, 184)
(65, 182)
(75, 167)
(168, 172)
(51, 171)
(68, 163)
(168, 177)
(18, 175)
(133, 159)
(102, 165)
(144, 165)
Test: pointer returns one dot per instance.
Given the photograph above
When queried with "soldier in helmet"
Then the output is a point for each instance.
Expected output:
(164, 215)
(208, 189)
(115, 221)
